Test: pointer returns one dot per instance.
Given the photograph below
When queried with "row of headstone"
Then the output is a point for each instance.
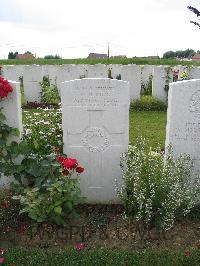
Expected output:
(95, 120)
(138, 76)
(33, 75)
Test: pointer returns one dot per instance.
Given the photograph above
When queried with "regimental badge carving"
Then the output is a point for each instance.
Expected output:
(95, 139)
(194, 104)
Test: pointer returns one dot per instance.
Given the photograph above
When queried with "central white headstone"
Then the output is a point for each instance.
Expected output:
(95, 117)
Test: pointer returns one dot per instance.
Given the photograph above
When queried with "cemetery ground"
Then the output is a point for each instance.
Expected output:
(104, 236)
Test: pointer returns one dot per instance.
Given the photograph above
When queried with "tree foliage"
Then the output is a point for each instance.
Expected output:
(52, 57)
(179, 54)
(12, 55)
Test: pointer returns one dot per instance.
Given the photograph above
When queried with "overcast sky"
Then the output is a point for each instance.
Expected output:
(74, 28)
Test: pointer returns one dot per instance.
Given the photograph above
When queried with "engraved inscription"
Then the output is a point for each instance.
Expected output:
(95, 140)
(190, 132)
(194, 105)
(98, 96)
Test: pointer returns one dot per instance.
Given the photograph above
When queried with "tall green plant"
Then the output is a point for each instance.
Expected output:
(49, 92)
(157, 190)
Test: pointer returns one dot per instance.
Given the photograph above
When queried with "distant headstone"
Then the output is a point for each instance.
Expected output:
(98, 71)
(95, 115)
(183, 119)
(132, 74)
(162, 76)
(194, 73)
(32, 75)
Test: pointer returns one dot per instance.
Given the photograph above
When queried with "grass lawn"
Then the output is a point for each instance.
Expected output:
(150, 125)
(124, 61)
(19, 257)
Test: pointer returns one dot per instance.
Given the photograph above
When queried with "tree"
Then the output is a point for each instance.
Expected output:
(12, 55)
(52, 57)
(188, 53)
(169, 54)
(27, 52)
(197, 13)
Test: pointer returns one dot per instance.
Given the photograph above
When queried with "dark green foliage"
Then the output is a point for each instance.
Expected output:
(188, 53)
(52, 57)
(49, 94)
(148, 103)
(12, 55)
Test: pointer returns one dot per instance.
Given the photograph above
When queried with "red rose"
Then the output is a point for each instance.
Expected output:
(2, 260)
(4, 204)
(70, 163)
(60, 159)
(79, 246)
(187, 253)
(79, 169)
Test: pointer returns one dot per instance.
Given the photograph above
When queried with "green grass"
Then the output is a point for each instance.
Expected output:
(148, 124)
(139, 61)
(36, 257)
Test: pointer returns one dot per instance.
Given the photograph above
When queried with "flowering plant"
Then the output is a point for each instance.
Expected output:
(5, 88)
(157, 190)
(54, 198)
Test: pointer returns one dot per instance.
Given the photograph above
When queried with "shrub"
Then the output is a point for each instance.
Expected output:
(49, 94)
(156, 191)
(54, 198)
(148, 103)
(147, 88)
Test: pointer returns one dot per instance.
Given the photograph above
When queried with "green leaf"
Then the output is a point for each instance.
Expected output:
(58, 210)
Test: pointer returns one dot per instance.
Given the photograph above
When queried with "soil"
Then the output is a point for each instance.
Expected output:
(102, 226)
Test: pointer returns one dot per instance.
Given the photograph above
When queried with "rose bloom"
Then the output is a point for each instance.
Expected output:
(4, 204)
(69, 163)
(187, 253)
(2, 260)
(79, 246)
(60, 159)
(79, 169)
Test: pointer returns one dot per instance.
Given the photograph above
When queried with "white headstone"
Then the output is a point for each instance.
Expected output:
(31, 77)
(146, 73)
(97, 71)
(162, 76)
(115, 70)
(95, 117)
(13, 112)
(194, 73)
(183, 119)
(12, 72)
(132, 74)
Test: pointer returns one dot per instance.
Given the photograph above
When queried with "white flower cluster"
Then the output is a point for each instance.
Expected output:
(156, 188)
(43, 129)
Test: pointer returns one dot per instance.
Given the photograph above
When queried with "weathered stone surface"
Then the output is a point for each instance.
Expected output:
(183, 119)
(95, 115)
(13, 112)
(162, 76)
(132, 74)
